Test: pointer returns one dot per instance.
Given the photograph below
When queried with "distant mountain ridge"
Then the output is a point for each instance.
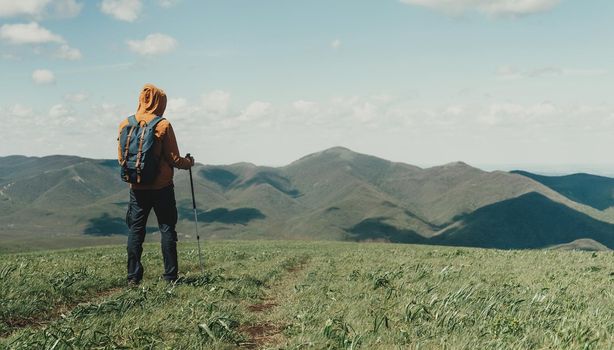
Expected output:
(336, 194)
(592, 190)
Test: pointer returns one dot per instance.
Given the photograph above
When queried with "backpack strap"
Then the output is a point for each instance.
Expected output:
(132, 121)
(139, 154)
(152, 124)
(133, 124)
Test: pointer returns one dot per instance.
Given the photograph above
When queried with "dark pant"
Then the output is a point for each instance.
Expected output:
(163, 203)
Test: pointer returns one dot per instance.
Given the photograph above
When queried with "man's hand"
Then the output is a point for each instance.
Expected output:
(188, 156)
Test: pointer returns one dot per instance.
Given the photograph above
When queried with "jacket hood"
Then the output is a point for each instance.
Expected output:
(152, 102)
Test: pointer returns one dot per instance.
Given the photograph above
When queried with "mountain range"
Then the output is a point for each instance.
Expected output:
(336, 194)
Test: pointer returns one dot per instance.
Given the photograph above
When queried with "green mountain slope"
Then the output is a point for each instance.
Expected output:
(583, 244)
(335, 194)
(528, 221)
(15, 167)
(595, 191)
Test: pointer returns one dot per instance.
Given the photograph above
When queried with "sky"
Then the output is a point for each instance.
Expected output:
(493, 83)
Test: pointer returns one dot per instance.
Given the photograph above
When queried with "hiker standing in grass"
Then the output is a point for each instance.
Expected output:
(147, 154)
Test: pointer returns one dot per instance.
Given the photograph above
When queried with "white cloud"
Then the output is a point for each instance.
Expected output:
(496, 8)
(68, 53)
(153, 44)
(43, 77)
(168, 3)
(9, 56)
(586, 72)
(76, 97)
(28, 33)
(40, 8)
(12, 8)
(546, 72)
(214, 111)
(514, 131)
(66, 8)
(60, 116)
(255, 110)
(178, 108)
(47, 130)
(58, 111)
(335, 44)
(216, 102)
(516, 7)
(365, 112)
(508, 72)
(346, 115)
(33, 34)
(305, 107)
(124, 10)
(513, 116)
(108, 115)
(393, 121)
(20, 111)
(177, 104)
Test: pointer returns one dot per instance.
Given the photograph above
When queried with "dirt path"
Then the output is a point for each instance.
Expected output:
(266, 331)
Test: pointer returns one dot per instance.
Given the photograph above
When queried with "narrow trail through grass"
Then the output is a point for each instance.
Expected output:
(264, 331)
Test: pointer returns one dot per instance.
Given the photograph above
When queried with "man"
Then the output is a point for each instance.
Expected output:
(158, 195)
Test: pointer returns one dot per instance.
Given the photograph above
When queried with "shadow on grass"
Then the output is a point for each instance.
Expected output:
(222, 177)
(375, 229)
(240, 216)
(280, 183)
(199, 281)
(107, 225)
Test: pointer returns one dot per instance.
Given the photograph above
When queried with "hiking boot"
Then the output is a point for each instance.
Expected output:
(133, 283)
(170, 280)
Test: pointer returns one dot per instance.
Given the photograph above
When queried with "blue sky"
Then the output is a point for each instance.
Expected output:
(496, 82)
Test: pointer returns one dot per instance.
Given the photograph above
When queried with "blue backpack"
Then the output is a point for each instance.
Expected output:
(139, 164)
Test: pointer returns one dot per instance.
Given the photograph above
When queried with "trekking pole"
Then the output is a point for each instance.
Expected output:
(200, 256)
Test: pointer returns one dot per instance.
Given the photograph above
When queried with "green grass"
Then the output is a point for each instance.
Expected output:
(321, 295)
(19, 242)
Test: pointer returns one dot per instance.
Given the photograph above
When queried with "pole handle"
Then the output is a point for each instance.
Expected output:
(191, 185)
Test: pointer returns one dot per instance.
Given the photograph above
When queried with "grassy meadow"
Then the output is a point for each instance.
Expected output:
(320, 295)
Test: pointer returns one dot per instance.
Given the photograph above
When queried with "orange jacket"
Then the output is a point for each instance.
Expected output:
(165, 143)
